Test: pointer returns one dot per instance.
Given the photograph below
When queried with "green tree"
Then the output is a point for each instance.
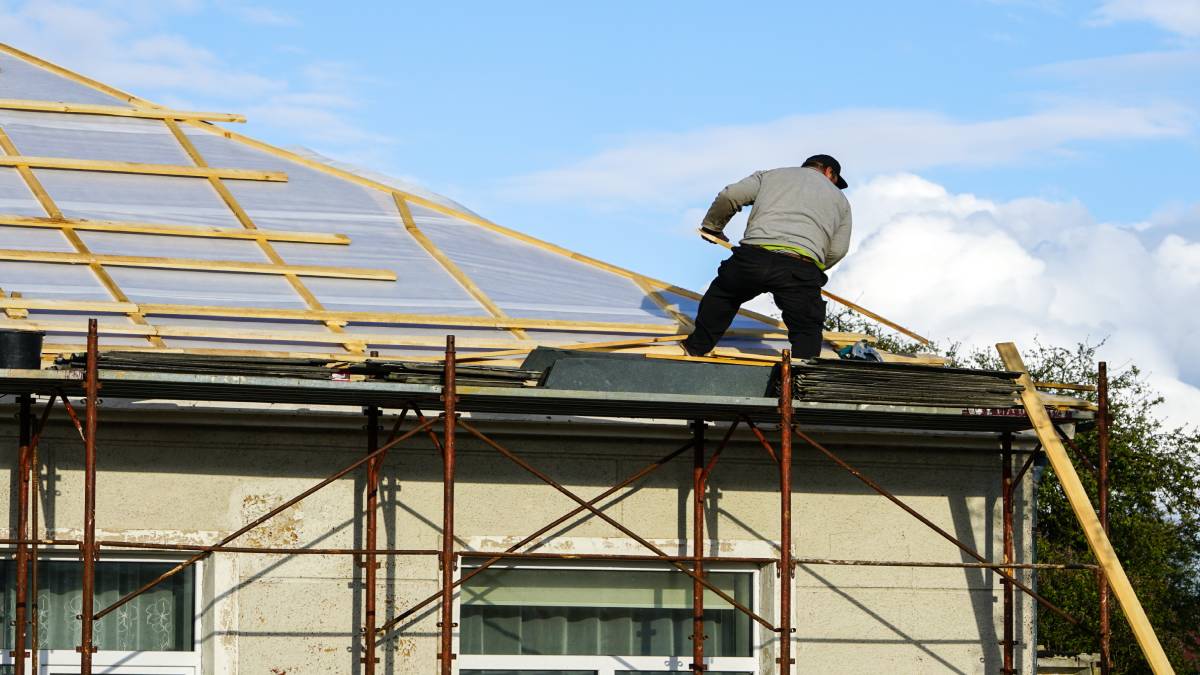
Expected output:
(1154, 514)
(1154, 506)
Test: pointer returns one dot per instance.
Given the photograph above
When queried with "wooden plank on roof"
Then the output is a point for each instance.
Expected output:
(100, 306)
(193, 264)
(607, 344)
(13, 312)
(117, 111)
(163, 229)
(1065, 385)
(242, 334)
(109, 166)
(872, 315)
(66, 348)
(1082, 506)
(432, 320)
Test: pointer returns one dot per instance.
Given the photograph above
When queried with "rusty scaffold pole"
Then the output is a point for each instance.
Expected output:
(370, 543)
(448, 561)
(88, 550)
(785, 513)
(35, 531)
(1102, 434)
(25, 423)
(1006, 489)
(699, 481)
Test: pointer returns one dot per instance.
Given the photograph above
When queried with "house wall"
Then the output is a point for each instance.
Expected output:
(192, 475)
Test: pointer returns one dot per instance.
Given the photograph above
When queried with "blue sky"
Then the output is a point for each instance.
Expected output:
(1052, 144)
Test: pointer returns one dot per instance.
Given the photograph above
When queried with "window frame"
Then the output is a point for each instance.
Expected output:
(609, 665)
(66, 661)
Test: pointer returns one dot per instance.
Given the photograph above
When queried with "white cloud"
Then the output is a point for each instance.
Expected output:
(262, 16)
(1179, 261)
(658, 168)
(1156, 65)
(1176, 16)
(958, 267)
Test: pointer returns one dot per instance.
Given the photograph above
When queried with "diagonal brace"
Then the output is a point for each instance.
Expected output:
(260, 520)
(611, 521)
(642, 473)
(933, 526)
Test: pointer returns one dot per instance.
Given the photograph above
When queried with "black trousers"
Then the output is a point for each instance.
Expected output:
(750, 272)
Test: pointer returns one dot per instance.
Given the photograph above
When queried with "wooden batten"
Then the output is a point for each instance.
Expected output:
(193, 264)
(139, 168)
(117, 111)
(166, 230)
(299, 337)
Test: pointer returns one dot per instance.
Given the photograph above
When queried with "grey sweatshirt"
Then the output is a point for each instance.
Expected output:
(793, 206)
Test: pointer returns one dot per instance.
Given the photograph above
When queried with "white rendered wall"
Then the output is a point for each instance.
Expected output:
(192, 476)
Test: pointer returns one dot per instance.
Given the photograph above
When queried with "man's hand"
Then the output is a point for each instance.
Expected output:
(707, 235)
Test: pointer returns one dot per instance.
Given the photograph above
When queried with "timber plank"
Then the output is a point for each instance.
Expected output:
(1081, 504)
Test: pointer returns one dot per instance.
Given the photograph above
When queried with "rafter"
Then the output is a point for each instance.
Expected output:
(449, 265)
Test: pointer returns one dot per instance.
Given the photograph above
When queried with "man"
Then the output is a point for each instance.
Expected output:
(799, 227)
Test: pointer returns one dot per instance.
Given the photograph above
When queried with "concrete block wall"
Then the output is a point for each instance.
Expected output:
(193, 476)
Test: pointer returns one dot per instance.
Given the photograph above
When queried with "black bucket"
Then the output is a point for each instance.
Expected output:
(21, 349)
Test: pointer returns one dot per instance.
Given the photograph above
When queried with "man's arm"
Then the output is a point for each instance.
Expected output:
(731, 200)
(840, 243)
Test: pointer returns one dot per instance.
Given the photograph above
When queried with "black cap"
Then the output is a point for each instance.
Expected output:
(830, 162)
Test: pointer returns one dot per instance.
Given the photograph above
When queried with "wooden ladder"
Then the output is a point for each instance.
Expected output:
(1096, 537)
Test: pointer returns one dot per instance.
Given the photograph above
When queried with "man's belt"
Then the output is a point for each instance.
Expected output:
(789, 254)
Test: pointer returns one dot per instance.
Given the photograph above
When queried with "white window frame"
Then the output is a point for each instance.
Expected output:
(609, 665)
(66, 661)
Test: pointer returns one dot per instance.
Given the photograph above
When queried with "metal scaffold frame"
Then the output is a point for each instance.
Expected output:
(375, 632)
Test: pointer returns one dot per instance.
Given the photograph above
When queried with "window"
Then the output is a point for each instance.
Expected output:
(155, 630)
(572, 621)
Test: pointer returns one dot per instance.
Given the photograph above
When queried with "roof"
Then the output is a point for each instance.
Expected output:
(181, 235)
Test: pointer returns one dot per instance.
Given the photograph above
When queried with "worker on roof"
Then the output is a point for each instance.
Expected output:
(799, 227)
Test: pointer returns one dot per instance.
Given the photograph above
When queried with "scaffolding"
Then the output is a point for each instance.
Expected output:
(443, 432)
